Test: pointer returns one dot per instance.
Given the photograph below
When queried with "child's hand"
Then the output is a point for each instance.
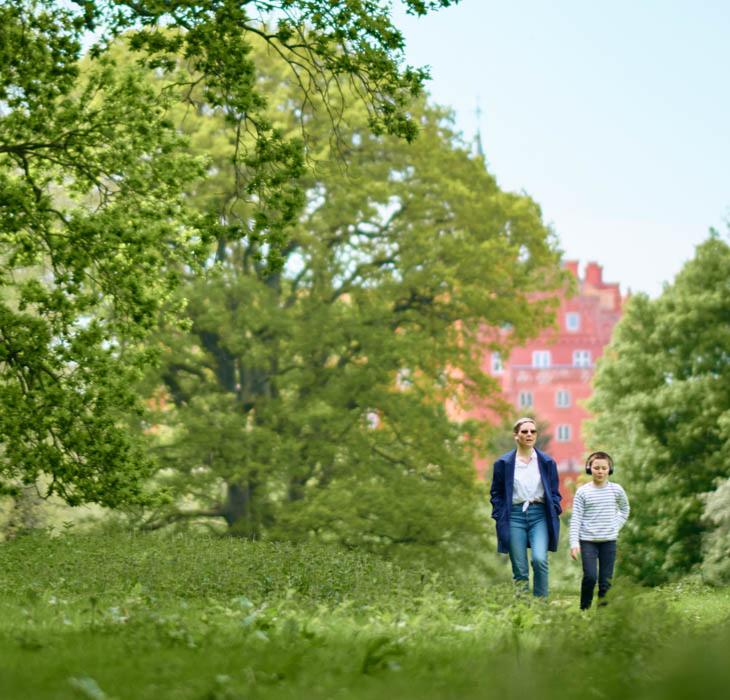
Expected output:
(574, 552)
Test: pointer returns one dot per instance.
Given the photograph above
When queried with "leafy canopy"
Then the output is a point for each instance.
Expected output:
(94, 230)
(91, 176)
(328, 47)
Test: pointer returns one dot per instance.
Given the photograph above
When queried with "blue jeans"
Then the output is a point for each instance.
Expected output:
(529, 528)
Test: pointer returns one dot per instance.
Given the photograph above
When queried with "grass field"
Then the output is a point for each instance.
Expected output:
(131, 616)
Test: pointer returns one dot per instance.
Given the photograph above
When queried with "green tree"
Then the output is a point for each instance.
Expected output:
(663, 410)
(93, 230)
(312, 401)
(91, 220)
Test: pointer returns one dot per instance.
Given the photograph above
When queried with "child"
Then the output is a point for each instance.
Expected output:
(600, 509)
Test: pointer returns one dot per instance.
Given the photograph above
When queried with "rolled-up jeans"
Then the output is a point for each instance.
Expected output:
(529, 528)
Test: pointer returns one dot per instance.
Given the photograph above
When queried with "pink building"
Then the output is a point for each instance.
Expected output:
(550, 377)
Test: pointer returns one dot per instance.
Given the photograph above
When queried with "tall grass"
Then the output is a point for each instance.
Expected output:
(132, 616)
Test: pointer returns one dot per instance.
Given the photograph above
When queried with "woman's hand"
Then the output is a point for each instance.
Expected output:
(574, 552)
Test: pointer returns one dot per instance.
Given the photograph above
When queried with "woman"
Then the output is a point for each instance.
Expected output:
(525, 496)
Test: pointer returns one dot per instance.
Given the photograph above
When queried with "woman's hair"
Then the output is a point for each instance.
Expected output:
(520, 421)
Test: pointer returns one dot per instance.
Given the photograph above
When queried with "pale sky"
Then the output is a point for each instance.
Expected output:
(614, 117)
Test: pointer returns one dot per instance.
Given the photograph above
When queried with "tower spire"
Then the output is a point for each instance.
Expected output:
(478, 137)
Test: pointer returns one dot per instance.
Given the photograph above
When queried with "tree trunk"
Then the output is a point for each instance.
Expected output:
(238, 511)
(26, 514)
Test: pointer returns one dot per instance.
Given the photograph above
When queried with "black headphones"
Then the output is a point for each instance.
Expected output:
(599, 455)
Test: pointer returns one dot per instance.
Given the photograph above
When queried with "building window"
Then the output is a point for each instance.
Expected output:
(563, 433)
(497, 366)
(525, 399)
(572, 321)
(562, 398)
(581, 358)
(541, 358)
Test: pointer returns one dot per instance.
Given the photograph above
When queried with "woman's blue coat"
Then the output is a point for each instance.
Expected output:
(503, 477)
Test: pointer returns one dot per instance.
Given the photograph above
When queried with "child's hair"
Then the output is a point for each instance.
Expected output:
(599, 455)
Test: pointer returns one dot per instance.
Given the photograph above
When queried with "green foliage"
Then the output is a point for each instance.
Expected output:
(311, 401)
(327, 45)
(91, 231)
(663, 412)
(191, 617)
(110, 564)
(328, 48)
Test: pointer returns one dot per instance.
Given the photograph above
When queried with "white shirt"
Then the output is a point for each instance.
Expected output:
(528, 484)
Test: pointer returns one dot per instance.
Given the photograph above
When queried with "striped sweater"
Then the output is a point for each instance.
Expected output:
(598, 513)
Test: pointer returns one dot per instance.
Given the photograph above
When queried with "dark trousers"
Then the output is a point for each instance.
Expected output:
(598, 559)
